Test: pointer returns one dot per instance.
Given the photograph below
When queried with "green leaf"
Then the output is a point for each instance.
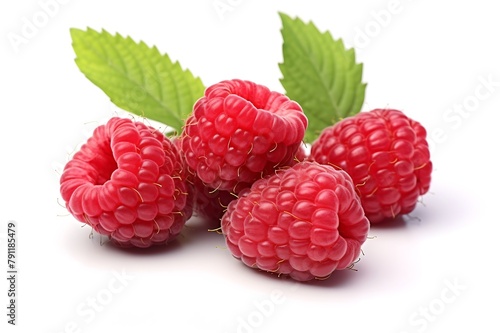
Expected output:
(320, 74)
(136, 77)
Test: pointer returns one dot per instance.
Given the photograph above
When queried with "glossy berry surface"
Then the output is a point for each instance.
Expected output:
(305, 221)
(387, 156)
(127, 182)
(240, 131)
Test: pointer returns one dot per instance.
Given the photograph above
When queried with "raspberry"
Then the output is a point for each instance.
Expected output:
(386, 154)
(127, 182)
(210, 204)
(305, 222)
(240, 131)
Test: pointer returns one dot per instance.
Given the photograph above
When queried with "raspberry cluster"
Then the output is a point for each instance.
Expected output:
(239, 163)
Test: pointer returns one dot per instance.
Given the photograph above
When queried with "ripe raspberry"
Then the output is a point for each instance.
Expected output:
(210, 204)
(240, 131)
(305, 221)
(127, 182)
(387, 156)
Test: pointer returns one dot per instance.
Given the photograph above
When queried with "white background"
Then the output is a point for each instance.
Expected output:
(428, 58)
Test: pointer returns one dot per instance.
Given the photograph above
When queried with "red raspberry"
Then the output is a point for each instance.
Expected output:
(240, 131)
(387, 156)
(210, 204)
(127, 182)
(305, 221)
